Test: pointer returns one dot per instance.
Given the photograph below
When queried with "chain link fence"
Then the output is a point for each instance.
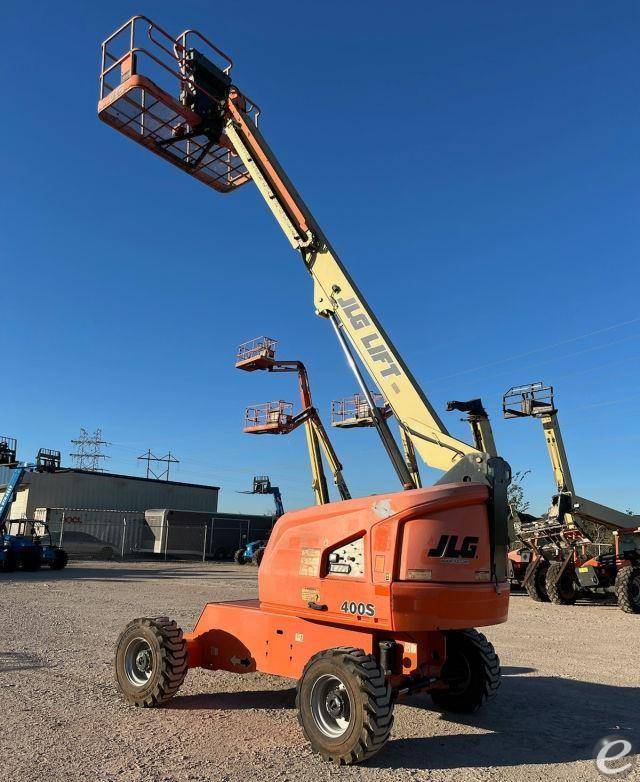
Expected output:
(84, 532)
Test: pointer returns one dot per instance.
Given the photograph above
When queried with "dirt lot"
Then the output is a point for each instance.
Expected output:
(570, 678)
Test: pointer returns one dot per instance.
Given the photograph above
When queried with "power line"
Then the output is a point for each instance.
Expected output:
(88, 455)
(169, 459)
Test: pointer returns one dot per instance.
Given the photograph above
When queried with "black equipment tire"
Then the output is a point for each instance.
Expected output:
(473, 668)
(536, 586)
(239, 557)
(344, 705)
(565, 591)
(8, 562)
(257, 557)
(151, 661)
(30, 560)
(60, 559)
(628, 589)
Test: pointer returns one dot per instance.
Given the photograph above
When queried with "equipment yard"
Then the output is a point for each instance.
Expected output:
(564, 687)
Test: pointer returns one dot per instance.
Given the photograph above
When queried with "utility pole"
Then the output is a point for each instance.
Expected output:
(169, 459)
(88, 455)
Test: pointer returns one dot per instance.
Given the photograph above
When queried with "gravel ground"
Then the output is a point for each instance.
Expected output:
(570, 678)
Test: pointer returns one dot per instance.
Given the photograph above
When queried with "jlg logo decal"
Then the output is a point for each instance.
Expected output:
(446, 547)
(361, 609)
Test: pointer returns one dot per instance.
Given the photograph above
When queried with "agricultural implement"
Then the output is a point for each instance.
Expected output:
(562, 562)
(363, 601)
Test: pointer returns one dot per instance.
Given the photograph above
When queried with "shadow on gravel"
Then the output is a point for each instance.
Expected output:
(231, 701)
(534, 720)
(20, 661)
(129, 574)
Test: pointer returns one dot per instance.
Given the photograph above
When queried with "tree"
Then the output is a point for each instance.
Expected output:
(515, 493)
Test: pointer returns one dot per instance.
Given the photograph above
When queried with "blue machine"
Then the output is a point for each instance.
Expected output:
(253, 551)
(24, 547)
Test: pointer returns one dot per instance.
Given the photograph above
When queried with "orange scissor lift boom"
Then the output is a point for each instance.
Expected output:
(362, 601)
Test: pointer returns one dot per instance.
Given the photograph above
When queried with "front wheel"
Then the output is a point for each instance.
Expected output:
(239, 557)
(344, 705)
(628, 589)
(561, 587)
(257, 557)
(471, 673)
(151, 661)
(60, 559)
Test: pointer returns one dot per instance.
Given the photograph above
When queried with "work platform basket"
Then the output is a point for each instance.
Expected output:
(170, 95)
(257, 353)
(353, 411)
(269, 418)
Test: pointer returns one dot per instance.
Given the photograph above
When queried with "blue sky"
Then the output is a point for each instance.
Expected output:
(475, 165)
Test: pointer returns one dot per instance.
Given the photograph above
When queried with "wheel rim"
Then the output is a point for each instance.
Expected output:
(138, 662)
(457, 672)
(331, 706)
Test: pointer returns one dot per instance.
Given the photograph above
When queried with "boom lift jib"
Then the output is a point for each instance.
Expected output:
(277, 417)
(562, 565)
(363, 601)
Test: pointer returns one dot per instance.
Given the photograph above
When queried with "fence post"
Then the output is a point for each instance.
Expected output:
(204, 545)
(61, 529)
(124, 534)
(166, 538)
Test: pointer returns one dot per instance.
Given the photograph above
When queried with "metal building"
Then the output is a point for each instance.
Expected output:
(83, 489)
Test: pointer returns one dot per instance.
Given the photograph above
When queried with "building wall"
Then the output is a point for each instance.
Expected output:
(77, 489)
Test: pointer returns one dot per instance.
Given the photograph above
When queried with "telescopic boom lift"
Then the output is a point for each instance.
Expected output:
(362, 601)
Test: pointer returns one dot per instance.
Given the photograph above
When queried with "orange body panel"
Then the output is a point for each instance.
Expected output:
(419, 564)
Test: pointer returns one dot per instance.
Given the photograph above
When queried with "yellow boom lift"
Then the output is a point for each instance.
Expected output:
(561, 566)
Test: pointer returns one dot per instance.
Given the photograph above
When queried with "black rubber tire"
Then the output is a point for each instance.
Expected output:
(536, 586)
(60, 559)
(168, 653)
(239, 557)
(30, 560)
(370, 705)
(628, 589)
(8, 564)
(472, 658)
(220, 553)
(256, 559)
(564, 592)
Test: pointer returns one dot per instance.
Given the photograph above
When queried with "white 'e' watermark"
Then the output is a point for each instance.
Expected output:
(612, 756)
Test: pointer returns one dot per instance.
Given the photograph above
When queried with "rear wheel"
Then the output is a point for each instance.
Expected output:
(8, 561)
(628, 589)
(562, 589)
(60, 559)
(536, 586)
(344, 705)
(151, 661)
(239, 557)
(471, 671)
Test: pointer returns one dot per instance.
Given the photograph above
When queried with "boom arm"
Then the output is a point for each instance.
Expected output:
(336, 294)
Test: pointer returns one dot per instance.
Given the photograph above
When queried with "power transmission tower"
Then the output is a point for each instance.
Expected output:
(88, 455)
(169, 459)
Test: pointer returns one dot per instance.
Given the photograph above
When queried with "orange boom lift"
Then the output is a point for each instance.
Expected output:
(365, 600)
